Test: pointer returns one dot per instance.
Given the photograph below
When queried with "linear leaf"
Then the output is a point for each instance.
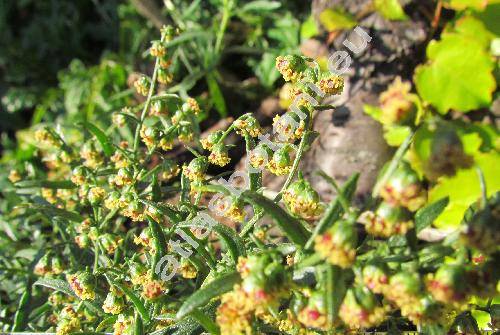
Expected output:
(60, 184)
(426, 215)
(56, 284)
(290, 226)
(101, 137)
(213, 289)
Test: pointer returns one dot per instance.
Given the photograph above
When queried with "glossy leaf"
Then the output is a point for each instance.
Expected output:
(458, 75)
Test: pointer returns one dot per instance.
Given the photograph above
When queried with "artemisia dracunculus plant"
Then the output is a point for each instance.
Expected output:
(117, 205)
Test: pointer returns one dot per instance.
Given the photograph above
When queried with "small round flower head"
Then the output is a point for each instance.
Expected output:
(113, 304)
(191, 105)
(165, 62)
(230, 208)
(338, 244)
(135, 211)
(120, 160)
(187, 270)
(142, 85)
(14, 176)
(92, 158)
(57, 265)
(482, 230)
(158, 107)
(302, 200)
(157, 49)
(138, 273)
(96, 195)
(112, 201)
(196, 169)
(387, 221)
(249, 125)
(404, 189)
(119, 120)
(46, 137)
(212, 139)
(168, 33)
(164, 76)
(44, 265)
(145, 238)
(66, 326)
(82, 241)
(332, 84)
(448, 284)
(375, 278)
(360, 309)
(186, 133)
(234, 314)
(49, 195)
(83, 284)
(291, 67)
(405, 289)
(397, 103)
(124, 325)
(447, 154)
(78, 175)
(219, 155)
(288, 127)
(314, 315)
(149, 136)
(110, 242)
(168, 170)
(281, 163)
(153, 289)
(123, 177)
(260, 156)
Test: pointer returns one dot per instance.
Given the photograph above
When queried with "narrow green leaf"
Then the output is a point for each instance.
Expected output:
(21, 316)
(216, 94)
(335, 291)
(107, 322)
(426, 215)
(260, 6)
(292, 227)
(138, 325)
(56, 284)
(135, 300)
(103, 139)
(60, 184)
(205, 322)
(212, 290)
(231, 240)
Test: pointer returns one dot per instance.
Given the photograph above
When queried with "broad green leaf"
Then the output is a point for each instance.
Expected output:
(63, 184)
(56, 284)
(212, 290)
(338, 18)
(374, 111)
(216, 94)
(290, 226)
(390, 9)
(472, 27)
(426, 215)
(458, 75)
(464, 4)
(463, 189)
(308, 28)
(482, 318)
(103, 139)
(396, 135)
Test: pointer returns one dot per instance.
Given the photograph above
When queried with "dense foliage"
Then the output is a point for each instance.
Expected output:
(117, 179)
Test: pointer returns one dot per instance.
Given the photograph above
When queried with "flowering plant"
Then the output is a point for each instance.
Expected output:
(136, 249)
